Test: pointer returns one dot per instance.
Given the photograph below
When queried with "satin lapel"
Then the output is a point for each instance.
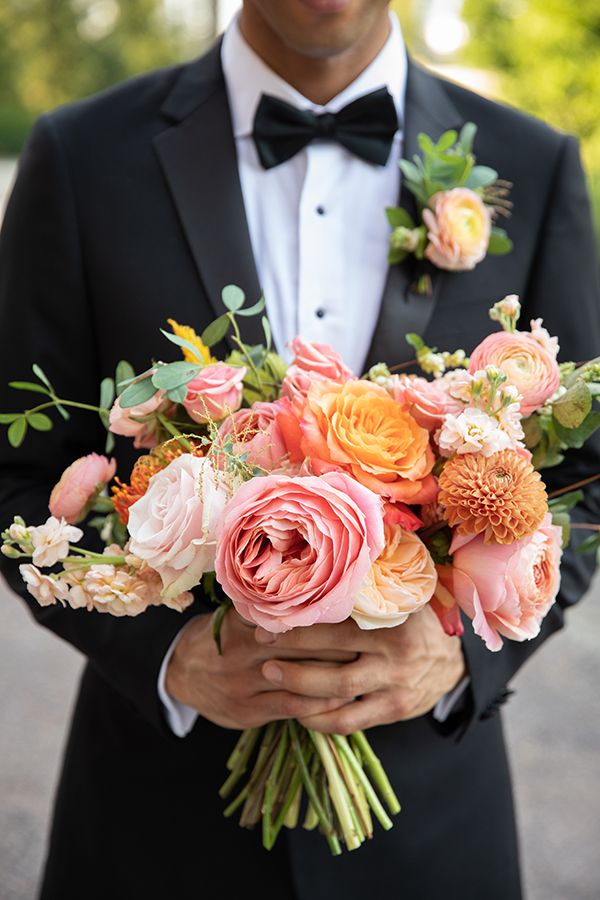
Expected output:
(198, 157)
(429, 110)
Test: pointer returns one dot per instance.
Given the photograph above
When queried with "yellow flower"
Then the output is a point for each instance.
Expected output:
(187, 332)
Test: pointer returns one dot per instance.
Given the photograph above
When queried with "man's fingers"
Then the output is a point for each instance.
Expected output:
(374, 709)
(314, 680)
(283, 705)
(342, 636)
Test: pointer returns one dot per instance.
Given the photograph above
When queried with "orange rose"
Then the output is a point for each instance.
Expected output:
(358, 428)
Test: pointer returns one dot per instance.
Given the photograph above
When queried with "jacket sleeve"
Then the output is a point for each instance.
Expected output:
(563, 289)
(45, 318)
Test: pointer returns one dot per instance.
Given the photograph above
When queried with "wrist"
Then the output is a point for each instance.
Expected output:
(178, 676)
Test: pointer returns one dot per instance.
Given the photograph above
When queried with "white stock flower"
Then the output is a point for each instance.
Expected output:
(51, 541)
(45, 589)
(472, 431)
(542, 336)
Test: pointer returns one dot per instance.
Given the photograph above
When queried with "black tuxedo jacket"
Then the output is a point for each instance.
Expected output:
(127, 210)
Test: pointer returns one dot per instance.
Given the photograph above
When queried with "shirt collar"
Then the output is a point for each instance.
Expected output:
(247, 77)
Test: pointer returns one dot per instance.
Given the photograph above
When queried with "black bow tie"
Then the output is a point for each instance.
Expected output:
(365, 127)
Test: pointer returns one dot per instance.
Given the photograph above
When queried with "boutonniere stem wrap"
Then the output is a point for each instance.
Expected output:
(458, 204)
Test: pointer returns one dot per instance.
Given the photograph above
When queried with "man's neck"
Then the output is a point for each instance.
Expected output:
(319, 79)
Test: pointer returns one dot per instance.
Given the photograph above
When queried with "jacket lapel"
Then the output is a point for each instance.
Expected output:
(198, 157)
(427, 109)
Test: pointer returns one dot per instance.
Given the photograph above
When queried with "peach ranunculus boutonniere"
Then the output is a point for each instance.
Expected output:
(458, 204)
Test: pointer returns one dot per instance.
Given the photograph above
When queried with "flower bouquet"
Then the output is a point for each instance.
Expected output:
(304, 494)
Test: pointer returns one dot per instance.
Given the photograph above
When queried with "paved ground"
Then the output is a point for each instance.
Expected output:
(553, 724)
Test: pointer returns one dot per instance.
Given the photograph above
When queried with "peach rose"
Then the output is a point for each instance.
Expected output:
(294, 551)
(459, 225)
(527, 364)
(507, 589)
(427, 401)
(401, 581)
(359, 428)
(215, 392)
(174, 526)
(319, 359)
(258, 432)
(79, 487)
(140, 422)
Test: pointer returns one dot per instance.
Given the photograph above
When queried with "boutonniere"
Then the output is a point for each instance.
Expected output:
(458, 202)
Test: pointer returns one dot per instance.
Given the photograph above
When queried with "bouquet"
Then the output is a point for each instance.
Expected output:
(304, 494)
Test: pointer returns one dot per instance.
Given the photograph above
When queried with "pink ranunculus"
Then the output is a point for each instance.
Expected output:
(427, 401)
(319, 359)
(79, 485)
(140, 422)
(527, 364)
(294, 551)
(174, 526)
(507, 589)
(258, 432)
(459, 225)
(215, 392)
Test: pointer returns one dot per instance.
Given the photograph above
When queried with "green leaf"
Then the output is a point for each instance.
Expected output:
(124, 373)
(233, 297)
(253, 310)
(17, 432)
(590, 543)
(137, 393)
(107, 393)
(415, 341)
(467, 137)
(410, 171)
(39, 421)
(177, 394)
(182, 342)
(399, 218)
(480, 177)
(174, 374)
(110, 442)
(66, 416)
(267, 330)
(37, 370)
(565, 502)
(7, 418)
(533, 431)
(104, 418)
(425, 143)
(571, 409)
(500, 243)
(446, 140)
(28, 386)
(396, 256)
(576, 437)
(216, 331)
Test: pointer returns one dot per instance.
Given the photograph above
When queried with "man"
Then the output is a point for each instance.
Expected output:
(142, 203)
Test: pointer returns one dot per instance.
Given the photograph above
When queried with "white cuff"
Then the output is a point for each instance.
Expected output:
(446, 704)
(180, 716)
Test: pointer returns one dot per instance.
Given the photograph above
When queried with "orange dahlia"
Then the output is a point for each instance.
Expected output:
(125, 495)
(501, 496)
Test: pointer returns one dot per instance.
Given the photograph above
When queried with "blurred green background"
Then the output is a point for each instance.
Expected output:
(540, 55)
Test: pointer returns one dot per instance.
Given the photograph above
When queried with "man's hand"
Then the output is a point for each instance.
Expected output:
(230, 690)
(399, 673)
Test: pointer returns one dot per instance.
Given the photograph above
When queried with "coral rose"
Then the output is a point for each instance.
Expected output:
(140, 422)
(294, 551)
(214, 392)
(173, 527)
(528, 365)
(401, 581)
(427, 401)
(359, 428)
(507, 589)
(258, 432)
(459, 226)
(319, 359)
(79, 486)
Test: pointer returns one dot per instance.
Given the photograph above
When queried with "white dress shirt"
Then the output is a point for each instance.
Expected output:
(317, 225)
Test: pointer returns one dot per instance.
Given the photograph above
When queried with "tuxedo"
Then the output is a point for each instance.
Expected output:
(127, 210)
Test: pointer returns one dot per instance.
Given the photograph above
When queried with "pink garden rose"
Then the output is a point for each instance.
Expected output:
(140, 422)
(174, 526)
(294, 551)
(426, 401)
(507, 589)
(79, 485)
(459, 225)
(527, 364)
(258, 432)
(215, 392)
(296, 385)
(319, 359)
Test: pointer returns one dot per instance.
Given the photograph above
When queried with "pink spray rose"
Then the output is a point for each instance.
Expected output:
(526, 362)
(215, 392)
(426, 401)
(296, 385)
(258, 432)
(507, 589)
(173, 527)
(140, 422)
(79, 485)
(319, 359)
(459, 226)
(294, 551)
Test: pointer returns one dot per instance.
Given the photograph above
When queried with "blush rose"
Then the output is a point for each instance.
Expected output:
(215, 392)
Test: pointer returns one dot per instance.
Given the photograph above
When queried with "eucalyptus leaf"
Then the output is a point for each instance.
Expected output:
(576, 437)
(29, 386)
(17, 431)
(104, 418)
(174, 374)
(481, 177)
(399, 218)
(137, 393)
(39, 421)
(177, 394)
(107, 393)
(110, 442)
(467, 137)
(500, 243)
(216, 331)
(565, 502)
(267, 330)
(39, 372)
(254, 310)
(233, 297)
(124, 373)
(182, 342)
(571, 409)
